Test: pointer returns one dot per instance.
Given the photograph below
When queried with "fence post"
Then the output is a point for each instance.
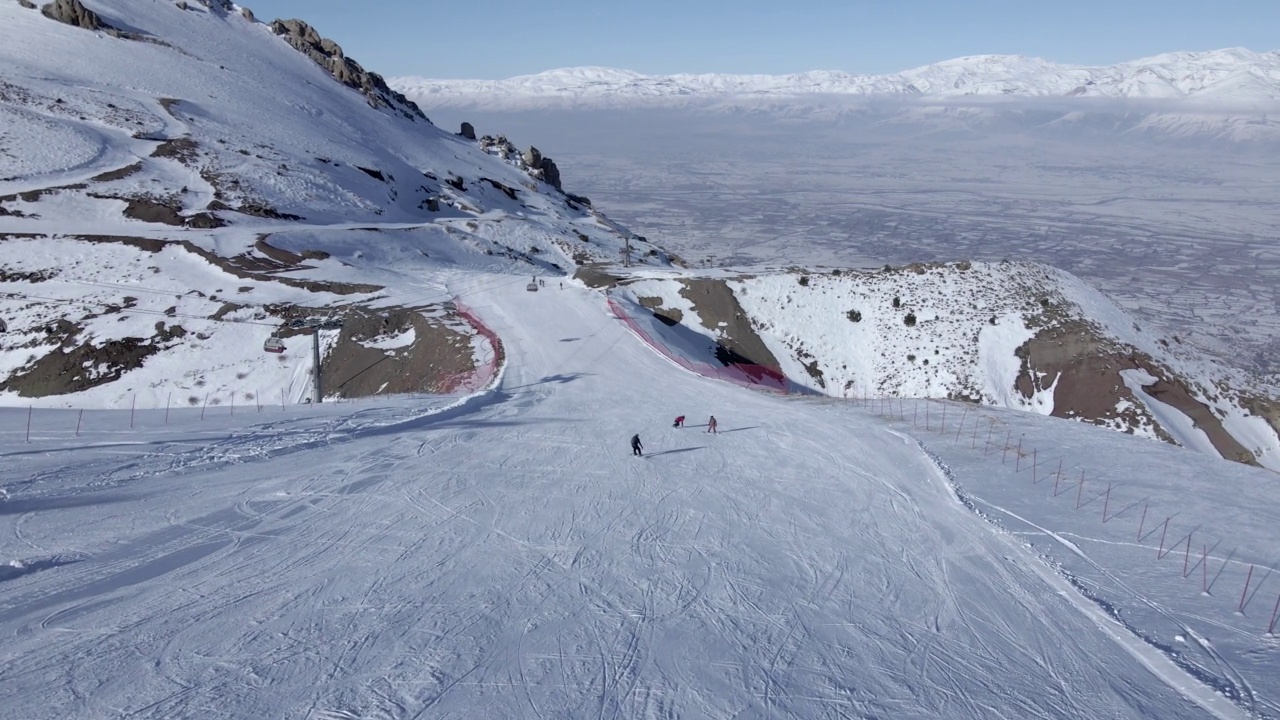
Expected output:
(986, 446)
(1248, 578)
(167, 402)
(944, 418)
(1204, 569)
(1272, 625)
(1080, 489)
(257, 399)
(206, 405)
(1035, 461)
(78, 419)
(282, 399)
(1186, 555)
(915, 414)
(1017, 461)
(233, 403)
(132, 407)
(30, 409)
(960, 427)
(1142, 521)
(1057, 478)
(973, 444)
(926, 415)
(1165, 531)
(1105, 504)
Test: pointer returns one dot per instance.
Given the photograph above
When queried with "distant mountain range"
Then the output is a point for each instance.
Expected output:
(1236, 77)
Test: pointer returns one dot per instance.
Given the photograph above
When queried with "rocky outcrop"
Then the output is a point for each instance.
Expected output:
(27, 4)
(542, 168)
(72, 12)
(467, 131)
(531, 161)
(1083, 368)
(328, 55)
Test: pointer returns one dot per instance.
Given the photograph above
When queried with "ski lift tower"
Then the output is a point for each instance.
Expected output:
(316, 325)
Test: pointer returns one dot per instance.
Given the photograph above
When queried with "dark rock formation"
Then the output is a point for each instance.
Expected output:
(248, 14)
(542, 168)
(27, 4)
(328, 55)
(532, 160)
(468, 131)
(73, 13)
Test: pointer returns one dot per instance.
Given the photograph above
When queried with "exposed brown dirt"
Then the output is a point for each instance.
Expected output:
(84, 366)
(154, 211)
(1086, 369)
(721, 313)
(595, 276)
(183, 149)
(118, 174)
(438, 354)
(245, 266)
(670, 316)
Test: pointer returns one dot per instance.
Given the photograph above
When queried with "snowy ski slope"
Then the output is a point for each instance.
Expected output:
(507, 557)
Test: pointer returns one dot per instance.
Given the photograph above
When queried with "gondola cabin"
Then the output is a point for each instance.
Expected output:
(273, 345)
(532, 286)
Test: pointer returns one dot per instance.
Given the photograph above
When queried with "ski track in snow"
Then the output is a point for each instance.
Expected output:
(508, 554)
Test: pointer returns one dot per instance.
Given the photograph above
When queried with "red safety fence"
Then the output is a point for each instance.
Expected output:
(1090, 488)
(755, 377)
(491, 357)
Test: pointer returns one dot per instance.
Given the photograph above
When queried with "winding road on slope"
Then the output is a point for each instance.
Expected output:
(510, 558)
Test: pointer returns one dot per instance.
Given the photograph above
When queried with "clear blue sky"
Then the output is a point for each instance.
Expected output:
(501, 38)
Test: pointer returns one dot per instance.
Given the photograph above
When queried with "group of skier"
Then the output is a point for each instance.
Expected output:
(637, 447)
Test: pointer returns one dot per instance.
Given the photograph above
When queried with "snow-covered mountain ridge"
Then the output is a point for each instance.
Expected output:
(1233, 76)
(1017, 335)
(179, 181)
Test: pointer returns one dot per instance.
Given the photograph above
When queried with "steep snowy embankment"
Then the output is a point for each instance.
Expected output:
(1016, 335)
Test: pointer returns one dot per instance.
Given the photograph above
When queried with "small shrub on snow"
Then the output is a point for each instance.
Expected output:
(910, 319)
(854, 316)
(897, 302)
(804, 280)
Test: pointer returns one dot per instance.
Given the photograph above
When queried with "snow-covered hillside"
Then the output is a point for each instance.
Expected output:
(506, 557)
(1234, 76)
(1015, 335)
(179, 181)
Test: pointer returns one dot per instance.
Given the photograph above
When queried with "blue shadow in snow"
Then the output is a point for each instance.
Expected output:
(678, 450)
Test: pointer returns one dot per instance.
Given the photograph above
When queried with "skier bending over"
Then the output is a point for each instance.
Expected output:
(679, 421)
(712, 424)
(636, 447)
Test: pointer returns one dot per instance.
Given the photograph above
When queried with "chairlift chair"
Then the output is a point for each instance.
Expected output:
(273, 345)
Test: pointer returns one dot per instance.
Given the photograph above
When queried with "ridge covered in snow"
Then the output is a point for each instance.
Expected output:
(1234, 76)
(181, 181)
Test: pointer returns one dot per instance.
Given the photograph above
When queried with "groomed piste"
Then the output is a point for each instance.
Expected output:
(505, 554)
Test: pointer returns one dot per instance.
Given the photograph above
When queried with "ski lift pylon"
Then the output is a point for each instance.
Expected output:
(273, 345)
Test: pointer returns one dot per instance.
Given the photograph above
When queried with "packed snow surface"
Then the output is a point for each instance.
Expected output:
(506, 555)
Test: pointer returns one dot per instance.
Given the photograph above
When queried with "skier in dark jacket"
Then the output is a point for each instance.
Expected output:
(636, 447)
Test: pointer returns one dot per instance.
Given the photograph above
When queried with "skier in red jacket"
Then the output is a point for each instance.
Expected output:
(679, 421)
